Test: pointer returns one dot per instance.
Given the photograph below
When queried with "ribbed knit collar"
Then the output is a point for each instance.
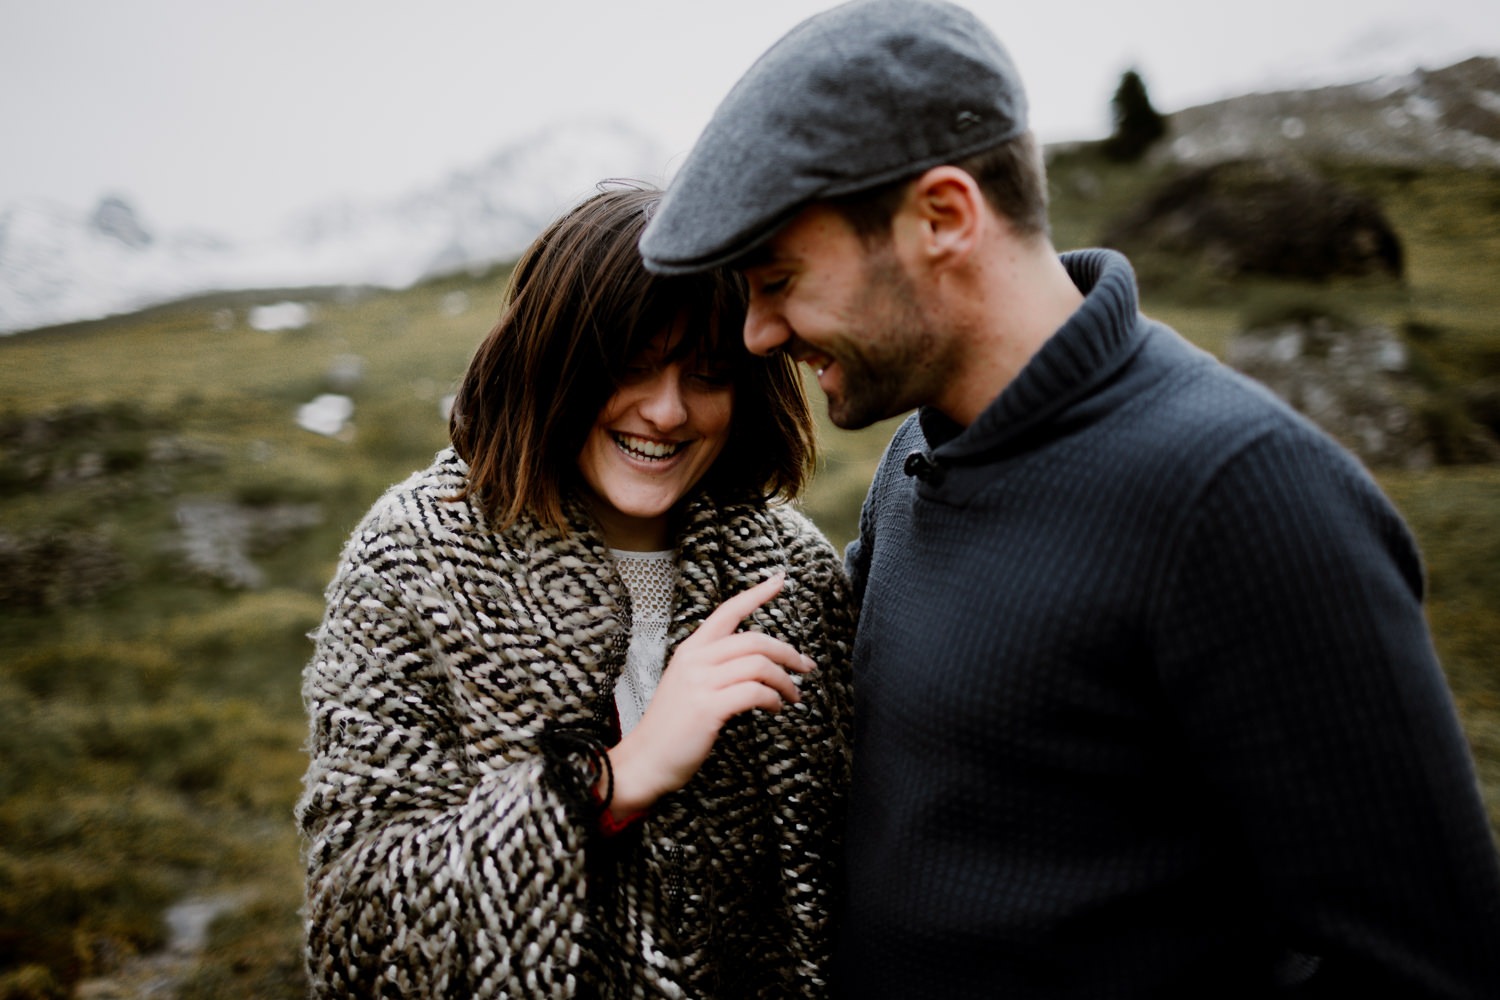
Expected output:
(1085, 351)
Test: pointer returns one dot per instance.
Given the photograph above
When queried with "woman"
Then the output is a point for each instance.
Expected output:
(508, 795)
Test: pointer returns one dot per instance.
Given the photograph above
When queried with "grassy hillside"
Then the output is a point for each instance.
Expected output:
(150, 718)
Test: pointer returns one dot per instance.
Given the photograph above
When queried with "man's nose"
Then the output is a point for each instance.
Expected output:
(765, 329)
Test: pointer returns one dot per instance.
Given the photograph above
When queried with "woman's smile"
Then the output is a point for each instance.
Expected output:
(649, 449)
(654, 440)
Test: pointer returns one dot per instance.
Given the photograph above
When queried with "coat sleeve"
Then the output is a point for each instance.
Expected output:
(811, 808)
(426, 876)
(1297, 656)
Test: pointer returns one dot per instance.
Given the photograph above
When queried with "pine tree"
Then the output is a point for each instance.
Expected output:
(1137, 123)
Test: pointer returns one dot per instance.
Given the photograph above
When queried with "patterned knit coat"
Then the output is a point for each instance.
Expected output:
(461, 677)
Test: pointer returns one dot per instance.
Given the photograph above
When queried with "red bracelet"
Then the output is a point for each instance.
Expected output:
(608, 825)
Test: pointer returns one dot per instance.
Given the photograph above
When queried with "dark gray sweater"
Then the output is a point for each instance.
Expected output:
(1146, 705)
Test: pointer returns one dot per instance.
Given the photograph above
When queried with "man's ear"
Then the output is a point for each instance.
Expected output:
(942, 217)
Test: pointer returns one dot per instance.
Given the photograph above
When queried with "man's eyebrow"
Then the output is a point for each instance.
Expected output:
(761, 256)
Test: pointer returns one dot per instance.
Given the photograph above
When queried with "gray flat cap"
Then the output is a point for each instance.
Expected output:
(859, 95)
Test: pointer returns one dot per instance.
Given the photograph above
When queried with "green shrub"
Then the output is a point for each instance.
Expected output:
(94, 671)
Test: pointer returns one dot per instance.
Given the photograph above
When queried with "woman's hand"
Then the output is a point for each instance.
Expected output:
(714, 675)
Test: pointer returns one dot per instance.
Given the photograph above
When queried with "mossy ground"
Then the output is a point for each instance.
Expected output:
(150, 737)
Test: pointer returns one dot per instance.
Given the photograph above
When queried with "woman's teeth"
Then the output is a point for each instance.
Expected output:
(646, 448)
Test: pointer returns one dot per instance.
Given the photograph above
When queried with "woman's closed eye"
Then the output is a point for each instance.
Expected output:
(712, 376)
(638, 372)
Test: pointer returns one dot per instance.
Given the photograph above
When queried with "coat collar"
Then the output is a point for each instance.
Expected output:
(573, 577)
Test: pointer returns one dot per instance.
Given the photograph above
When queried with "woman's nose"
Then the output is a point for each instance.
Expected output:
(663, 404)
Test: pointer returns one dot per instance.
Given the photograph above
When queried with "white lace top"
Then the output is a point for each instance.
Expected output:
(649, 577)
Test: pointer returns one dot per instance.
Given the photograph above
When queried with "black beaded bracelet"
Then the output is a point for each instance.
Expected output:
(562, 743)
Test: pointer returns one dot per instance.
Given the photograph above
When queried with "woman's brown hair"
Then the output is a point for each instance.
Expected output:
(581, 307)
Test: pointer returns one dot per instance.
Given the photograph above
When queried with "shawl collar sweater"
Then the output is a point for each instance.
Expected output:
(461, 677)
(1145, 701)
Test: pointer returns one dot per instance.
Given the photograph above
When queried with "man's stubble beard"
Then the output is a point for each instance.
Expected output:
(890, 365)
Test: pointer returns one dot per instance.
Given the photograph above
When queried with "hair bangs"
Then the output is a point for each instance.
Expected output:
(703, 313)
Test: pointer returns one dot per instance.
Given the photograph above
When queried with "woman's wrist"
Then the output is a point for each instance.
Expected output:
(630, 796)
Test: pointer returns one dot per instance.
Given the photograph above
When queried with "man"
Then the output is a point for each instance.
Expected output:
(1145, 701)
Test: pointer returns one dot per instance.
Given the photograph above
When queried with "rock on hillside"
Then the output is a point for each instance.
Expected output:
(1355, 381)
(1347, 379)
(1263, 216)
(1449, 115)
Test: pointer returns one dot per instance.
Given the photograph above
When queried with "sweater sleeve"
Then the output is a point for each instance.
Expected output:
(1296, 654)
(426, 875)
(888, 473)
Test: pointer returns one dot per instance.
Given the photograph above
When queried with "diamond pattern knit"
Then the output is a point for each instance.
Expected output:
(459, 681)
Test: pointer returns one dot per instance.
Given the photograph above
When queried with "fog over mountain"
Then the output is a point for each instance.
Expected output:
(60, 264)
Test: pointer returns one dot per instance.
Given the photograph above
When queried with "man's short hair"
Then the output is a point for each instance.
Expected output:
(1011, 176)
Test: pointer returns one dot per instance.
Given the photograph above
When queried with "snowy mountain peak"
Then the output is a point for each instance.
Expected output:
(114, 217)
(59, 265)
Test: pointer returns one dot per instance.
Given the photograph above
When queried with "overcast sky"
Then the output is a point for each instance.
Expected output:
(230, 115)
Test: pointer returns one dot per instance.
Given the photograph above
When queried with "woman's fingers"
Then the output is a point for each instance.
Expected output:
(683, 721)
(723, 657)
(759, 644)
(758, 670)
(716, 674)
(716, 641)
(746, 695)
(727, 616)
